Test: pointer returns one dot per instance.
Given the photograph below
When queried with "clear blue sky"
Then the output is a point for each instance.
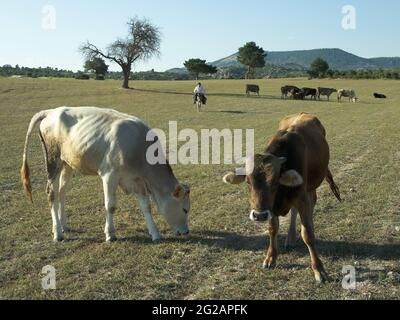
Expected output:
(209, 29)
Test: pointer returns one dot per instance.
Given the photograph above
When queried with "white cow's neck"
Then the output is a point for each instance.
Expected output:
(162, 184)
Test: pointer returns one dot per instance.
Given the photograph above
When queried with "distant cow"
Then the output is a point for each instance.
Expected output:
(252, 88)
(325, 92)
(297, 95)
(285, 177)
(347, 94)
(286, 90)
(310, 92)
(379, 96)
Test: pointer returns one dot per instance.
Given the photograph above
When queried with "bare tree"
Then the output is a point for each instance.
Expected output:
(142, 43)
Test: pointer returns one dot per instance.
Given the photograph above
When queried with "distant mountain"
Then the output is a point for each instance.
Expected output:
(386, 63)
(338, 60)
(177, 70)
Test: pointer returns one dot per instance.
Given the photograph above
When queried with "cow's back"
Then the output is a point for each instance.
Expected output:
(303, 121)
(313, 133)
(90, 138)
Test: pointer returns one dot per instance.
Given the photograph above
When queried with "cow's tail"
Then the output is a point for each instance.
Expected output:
(25, 172)
(333, 186)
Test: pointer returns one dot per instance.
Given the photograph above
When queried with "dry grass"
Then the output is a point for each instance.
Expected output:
(223, 257)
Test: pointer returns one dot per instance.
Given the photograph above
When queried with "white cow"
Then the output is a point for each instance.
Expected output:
(348, 94)
(112, 145)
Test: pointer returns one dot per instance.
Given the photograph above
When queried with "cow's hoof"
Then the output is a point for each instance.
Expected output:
(269, 264)
(58, 239)
(156, 238)
(321, 278)
(319, 282)
(67, 229)
(110, 239)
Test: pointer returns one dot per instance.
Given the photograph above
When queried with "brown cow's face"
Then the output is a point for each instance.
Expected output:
(263, 184)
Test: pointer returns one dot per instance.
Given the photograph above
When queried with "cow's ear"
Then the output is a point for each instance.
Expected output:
(179, 192)
(232, 178)
(291, 179)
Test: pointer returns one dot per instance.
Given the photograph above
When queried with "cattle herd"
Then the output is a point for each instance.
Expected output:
(296, 93)
(112, 145)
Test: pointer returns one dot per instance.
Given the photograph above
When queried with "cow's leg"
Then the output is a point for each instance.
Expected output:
(306, 207)
(145, 205)
(272, 253)
(54, 200)
(65, 178)
(292, 234)
(53, 164)
(110, 185)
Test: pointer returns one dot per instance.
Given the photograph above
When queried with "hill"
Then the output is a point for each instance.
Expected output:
(338, 59)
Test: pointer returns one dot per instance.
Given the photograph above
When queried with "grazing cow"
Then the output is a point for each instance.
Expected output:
(297, 95)
(252, 88)
(379, 96)
(310, 92)
(114, 146)
(348, 94)
(288, 91)
(325, 92)
(285, 178)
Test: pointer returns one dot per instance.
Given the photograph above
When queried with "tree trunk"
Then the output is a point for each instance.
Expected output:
(127, 73)
(248, 73)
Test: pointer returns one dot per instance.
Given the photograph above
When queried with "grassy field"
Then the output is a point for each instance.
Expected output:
(222, 258)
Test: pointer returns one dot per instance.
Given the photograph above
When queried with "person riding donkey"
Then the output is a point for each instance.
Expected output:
(199, 91)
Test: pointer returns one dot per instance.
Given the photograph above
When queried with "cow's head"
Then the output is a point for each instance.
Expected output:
(176, 210)
(264, 181)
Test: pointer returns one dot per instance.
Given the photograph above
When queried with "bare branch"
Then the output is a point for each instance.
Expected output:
(142, 43)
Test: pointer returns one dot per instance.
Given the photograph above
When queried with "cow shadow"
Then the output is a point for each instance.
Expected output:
(258, 244)
(328, 248)
(234, 112)
(253, 97)
(215, 94)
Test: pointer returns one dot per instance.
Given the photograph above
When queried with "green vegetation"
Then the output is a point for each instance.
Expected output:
(251, 56)
(318, 68)
(98, 66)
(197, 66)
(9, 71)
(393, 74)
(222, 257)
(239, 72)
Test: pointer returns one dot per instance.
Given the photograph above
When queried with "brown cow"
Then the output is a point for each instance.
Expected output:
(310, 92)
(285, 178)
(325, 92)
(297, 95)
(286, 90)
(252, 88)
